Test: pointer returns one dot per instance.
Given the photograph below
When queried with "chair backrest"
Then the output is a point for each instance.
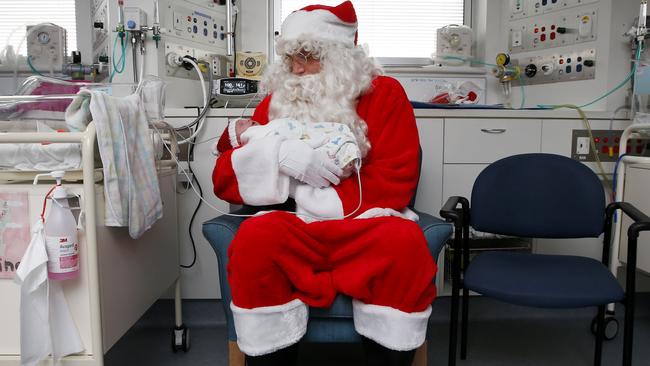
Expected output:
(538, 195)
(415, 193)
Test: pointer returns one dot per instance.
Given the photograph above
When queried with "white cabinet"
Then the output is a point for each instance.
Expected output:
(429, 194)
(458, 179)
(476, 141)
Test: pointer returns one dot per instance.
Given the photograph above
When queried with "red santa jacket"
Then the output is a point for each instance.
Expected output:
(250, 173)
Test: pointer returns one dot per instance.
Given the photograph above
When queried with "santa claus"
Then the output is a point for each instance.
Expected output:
(352, 236)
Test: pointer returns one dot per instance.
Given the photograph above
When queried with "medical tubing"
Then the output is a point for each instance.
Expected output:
(122, 60)
(611, 119)
(476, 61)
(31, 66)
(203, 111)
(592, 141)
(629, 76)
(205, 100)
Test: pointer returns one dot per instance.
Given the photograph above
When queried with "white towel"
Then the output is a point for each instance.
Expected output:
(131, 189)
(46, 326)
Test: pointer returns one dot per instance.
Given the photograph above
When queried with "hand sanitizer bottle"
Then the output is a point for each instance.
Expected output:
(61, 239)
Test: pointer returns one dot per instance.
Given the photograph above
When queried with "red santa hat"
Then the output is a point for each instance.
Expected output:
(320, 22)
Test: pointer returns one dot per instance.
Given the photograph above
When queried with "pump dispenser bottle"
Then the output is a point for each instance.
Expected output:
(61, 235)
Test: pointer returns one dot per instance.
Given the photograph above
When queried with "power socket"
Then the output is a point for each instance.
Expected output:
(582, 146)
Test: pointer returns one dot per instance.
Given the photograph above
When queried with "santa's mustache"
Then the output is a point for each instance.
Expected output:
(304, 88)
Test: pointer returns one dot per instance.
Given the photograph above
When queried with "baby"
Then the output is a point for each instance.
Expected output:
(340, 146)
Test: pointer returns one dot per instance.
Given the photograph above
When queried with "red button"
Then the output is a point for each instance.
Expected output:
(553, 26)
(552, 35)
(189, 18)
(605, 139)
(542, 37)
(596, 139)
(536, 30)
(616, 149)
(543, 29)
(561, 61)
(605, 149)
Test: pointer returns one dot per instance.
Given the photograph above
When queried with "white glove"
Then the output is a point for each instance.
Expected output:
(299, 160)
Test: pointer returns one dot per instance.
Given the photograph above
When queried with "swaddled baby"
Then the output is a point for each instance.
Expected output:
(340, 146)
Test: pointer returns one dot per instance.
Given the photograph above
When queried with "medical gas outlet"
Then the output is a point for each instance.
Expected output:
(558, 67)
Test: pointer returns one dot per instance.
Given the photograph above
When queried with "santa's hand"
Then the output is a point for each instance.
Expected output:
(299, 160)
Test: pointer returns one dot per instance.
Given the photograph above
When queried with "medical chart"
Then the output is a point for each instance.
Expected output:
(14, 231)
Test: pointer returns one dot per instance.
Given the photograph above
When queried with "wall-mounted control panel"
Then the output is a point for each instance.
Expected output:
(557, 67)
(566, 28)
(607, 143)
(527, 8)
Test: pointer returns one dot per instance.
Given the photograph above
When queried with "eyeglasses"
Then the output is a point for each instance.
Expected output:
(302, 58)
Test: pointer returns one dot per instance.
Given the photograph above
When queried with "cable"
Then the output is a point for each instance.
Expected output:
(205, 99)
(234, 42)
(196, 210)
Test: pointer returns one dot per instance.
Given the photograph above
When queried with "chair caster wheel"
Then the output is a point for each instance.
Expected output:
(611, 327)
(180, 339)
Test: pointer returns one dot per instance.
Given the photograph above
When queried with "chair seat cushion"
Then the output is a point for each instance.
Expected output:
(547, 281)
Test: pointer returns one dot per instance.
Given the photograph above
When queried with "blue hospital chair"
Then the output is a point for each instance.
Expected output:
(326, 325)
(540, 196)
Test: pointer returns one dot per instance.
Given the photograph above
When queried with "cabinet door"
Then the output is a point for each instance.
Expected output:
(483, 141)
(429, 192)
(458, 179)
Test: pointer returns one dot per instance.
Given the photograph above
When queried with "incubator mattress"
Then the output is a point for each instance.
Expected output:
(46, 157)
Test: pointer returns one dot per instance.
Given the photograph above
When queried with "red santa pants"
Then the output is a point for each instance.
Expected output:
(279, 264)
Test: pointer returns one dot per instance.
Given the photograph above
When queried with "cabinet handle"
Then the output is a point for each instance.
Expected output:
(493, 130)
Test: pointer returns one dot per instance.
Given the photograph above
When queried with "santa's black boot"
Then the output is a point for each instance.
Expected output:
(378, 355)
(282, 357)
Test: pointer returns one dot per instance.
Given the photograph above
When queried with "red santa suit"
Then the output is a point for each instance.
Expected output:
(279, 264)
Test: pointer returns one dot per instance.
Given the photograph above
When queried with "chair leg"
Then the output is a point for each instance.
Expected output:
(628, 335)
(600, 335)
(420, 358)
(453, 327)
(235, 356)
(464, 325)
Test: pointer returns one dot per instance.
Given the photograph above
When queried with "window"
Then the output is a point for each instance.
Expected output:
(393, 29)
(15, 15)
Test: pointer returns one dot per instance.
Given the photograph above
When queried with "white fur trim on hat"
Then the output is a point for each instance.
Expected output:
(270, 328)
(318, 25)
(392, 328)
(232, 133)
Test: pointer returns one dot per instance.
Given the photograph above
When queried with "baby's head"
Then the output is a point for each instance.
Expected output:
(241, 125)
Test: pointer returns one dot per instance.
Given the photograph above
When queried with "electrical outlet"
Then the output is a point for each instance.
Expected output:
(582, 146)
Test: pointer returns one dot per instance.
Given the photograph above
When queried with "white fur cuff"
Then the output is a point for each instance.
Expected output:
(232, 133)
(270, 328)
(390, 327)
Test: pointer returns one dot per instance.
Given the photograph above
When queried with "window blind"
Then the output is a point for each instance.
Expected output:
(395, 28)
(15, 15)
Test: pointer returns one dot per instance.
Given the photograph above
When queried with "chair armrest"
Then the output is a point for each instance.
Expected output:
(450, 210)
(641, 220)
(435, 231)
(641, 223)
